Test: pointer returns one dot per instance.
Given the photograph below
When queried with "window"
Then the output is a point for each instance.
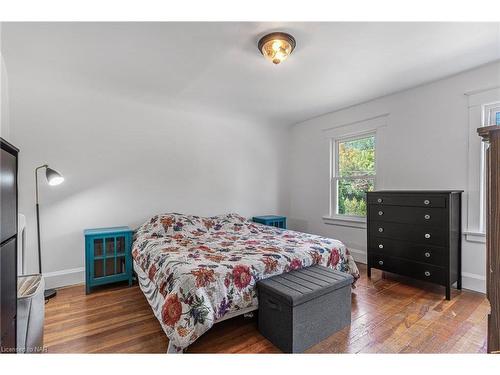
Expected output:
(484, 109)
(353, 174)
(353, 168)
(491, 114)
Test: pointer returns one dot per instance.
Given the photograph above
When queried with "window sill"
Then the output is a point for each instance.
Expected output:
(346, 221)
(475, 237)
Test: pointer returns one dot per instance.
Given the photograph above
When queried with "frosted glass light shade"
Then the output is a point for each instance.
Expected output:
(276, 47)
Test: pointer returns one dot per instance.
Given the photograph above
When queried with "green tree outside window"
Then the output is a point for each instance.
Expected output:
(355, 174)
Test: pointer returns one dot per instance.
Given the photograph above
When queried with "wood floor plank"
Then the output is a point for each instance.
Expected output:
(390, 314)
(474, 338)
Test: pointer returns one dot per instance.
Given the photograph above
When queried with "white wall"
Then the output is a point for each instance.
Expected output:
(4, 96)
(124, 161)
(424, 146)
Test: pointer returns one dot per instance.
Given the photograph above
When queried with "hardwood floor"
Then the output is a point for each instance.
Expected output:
(390, 314)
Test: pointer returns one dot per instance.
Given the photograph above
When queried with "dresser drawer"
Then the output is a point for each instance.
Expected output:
(411, 215)
(407, 232)
(416, 270)
(415, 200)
(384, 262)
(421, 253)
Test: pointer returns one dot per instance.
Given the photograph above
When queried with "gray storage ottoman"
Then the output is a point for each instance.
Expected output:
(303, 307)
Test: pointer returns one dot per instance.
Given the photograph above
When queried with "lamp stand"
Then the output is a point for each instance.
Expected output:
(38, 238)
(49, 293)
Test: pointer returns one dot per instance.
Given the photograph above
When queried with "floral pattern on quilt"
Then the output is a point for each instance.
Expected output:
(205, 268)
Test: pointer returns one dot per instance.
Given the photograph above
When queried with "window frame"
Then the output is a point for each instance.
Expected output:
(335, 176)
(482, 106)
(489, 114)
(356, 127)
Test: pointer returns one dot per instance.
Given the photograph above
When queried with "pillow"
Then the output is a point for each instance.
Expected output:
(230, 222)
(156, 226)
(172, 223)
(166, 224)
(188, 223)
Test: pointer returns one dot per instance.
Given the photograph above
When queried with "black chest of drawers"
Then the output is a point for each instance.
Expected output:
(416, 234)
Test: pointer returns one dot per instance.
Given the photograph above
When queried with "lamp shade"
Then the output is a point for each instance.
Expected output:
(53, 177)
(276, 47)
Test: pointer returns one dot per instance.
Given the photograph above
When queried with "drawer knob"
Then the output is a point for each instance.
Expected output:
(380, 246)
(427, 235)
(380, 213)
(427, 201)
(381, 262)
(427, 273)
(427, 254)
(427, 217)
(380, 230)
(379, 200)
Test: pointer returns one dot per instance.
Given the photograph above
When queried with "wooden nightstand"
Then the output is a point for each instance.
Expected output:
(271, 220)
(108, 256)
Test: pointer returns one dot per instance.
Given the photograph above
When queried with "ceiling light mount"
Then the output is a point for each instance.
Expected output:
(276, 47)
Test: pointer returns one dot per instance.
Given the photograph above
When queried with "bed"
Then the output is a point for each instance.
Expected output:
(197, 271)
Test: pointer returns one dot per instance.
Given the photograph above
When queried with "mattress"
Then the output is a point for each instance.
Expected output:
(196, 271)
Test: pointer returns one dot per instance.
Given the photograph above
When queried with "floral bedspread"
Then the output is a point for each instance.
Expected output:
(205, 268)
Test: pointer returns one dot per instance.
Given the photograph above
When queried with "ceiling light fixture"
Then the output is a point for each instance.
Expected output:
(276, 47)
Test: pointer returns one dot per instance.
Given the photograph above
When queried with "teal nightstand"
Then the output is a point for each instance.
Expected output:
(271, 220)
(108, 256)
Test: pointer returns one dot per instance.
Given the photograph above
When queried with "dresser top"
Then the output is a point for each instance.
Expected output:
(268, 217)
(100, 231)
(416, 191)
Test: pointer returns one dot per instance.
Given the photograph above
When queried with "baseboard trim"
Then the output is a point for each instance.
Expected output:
(473, 281)
(359, 255)
(61, 278)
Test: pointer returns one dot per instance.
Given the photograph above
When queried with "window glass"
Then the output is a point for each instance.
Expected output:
(354, 175)
(357, 157)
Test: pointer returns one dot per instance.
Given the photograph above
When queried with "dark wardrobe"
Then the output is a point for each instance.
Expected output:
(491, 135)
(8, 246)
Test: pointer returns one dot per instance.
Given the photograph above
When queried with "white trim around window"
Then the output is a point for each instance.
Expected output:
(346, 221)
(335, 175)
(483, 106)
(345, 132)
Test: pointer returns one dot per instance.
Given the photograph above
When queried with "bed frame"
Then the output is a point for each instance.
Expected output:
(148, 289)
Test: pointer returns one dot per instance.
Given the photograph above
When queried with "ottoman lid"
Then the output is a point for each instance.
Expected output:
(299, 286)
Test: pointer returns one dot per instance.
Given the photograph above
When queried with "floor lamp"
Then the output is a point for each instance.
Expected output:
(53, 178)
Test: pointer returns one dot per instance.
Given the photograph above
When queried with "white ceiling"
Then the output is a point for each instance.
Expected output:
(216, 66)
